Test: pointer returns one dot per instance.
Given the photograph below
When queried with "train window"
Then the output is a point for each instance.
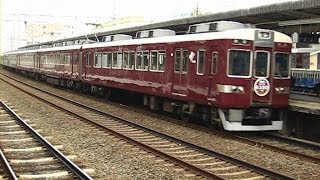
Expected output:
(57, 59)
(104, 62)
(239, 63)
(157, 60)
(281, 65)
(128, 60)
(177, 61)
(117, 60)
(67, 59)
(181, 61)
(262, 64)
(88, 59)
(109, 60)
(97, 60)
(75, 59)
(200, 62)
(184, 62)
(161, 60)
(214, 63)
(142, 60)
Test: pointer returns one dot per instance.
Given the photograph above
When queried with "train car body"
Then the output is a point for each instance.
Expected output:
(238, 77)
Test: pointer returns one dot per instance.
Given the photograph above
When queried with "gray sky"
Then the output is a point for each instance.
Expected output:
(15, 12)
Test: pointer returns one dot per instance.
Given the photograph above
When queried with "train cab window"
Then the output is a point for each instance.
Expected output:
(97, 60)
(214, 63)
(128, 60)
(158, 59)
(142, 60)
(239, 63)
(281, 69)
(117, 60)
(262, 64)
(200, 62)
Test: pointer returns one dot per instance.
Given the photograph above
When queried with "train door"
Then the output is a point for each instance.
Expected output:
(180, 72)
(261, 79)
(80, 65)
(75, 64)
(37, 61)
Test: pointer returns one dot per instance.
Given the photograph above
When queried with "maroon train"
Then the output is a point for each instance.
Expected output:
(219, 72)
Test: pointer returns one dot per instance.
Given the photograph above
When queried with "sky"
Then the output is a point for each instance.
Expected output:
(14, 13)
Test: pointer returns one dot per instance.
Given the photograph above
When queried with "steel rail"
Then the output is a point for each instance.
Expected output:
(274, 148)
(199, 148)
(72, 167)
(7, 168)
(294, 140)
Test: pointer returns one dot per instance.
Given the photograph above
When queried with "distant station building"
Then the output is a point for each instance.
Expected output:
(38, 33)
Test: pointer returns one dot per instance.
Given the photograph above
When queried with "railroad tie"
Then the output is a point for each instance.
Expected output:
(44, 176)
(38, 160)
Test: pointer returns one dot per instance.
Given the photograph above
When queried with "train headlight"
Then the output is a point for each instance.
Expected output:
(282, 90)
(240, 41)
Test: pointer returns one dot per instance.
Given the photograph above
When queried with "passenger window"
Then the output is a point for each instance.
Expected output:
(161, 60)
(88, 59)
(97, 60)
(214, 63)
(114, 60)
(200, 62)
(157, 60)
(128, 60)
(104, 60)
(181, 61)
(142, 60)
(109, 59)
(131, 60)
(117, 60)
(67, 59)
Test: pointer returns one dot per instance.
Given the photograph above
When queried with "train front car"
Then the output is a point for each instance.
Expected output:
(253, 92)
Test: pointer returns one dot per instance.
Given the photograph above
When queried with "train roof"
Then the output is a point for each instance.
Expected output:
(246, 33)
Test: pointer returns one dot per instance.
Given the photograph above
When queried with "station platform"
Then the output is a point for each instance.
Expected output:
(305, 104)
(303, 116)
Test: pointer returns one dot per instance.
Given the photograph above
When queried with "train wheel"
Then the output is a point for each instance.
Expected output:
(184, 116)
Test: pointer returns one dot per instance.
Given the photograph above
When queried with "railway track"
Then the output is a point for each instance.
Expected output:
(195, 159)
(303, 149)
(25, 154)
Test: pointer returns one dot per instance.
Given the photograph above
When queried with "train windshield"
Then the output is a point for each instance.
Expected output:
(262, 64)
(239, 63)
(281, 65)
